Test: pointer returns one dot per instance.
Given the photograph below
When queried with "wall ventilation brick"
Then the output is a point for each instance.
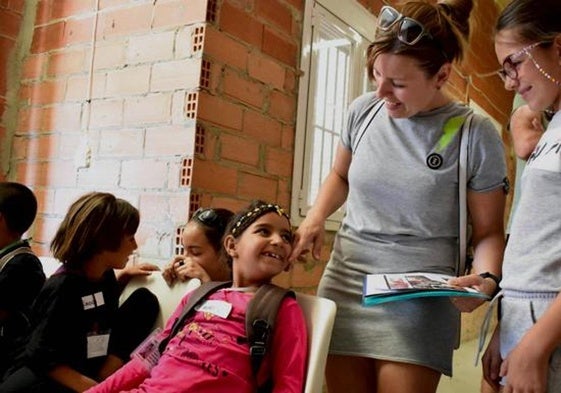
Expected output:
(191, 105)
(211, 11)
(197, 38)
(194, 202)
(205, 74)
(177, 246)
(199, 138)
(186, 172)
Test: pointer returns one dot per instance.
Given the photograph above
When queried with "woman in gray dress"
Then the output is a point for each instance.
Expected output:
(399, 180)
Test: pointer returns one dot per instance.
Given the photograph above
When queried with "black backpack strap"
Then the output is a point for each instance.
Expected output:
(197, 296)
(17, 251)
(368, 119)
(260, 320)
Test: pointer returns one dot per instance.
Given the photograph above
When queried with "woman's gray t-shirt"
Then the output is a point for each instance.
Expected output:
(402, 216)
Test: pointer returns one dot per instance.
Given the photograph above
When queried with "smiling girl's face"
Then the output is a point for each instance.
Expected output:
(533, 67)
(261, 251)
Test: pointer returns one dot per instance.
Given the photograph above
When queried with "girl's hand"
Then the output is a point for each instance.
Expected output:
(525, 369)
(142, 269)
(184, 269)
(187, 269)
(139, 269)
(492, 361)
(169, 274)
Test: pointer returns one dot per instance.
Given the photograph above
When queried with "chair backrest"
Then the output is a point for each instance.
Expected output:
(168, 297)
(50, 264)
(320, 316)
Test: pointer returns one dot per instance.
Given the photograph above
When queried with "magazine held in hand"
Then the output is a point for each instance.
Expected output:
(383, 288)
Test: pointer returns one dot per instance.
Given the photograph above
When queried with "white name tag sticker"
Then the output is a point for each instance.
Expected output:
(97, 345)
(88, 302)
(219, 308)
(99, 301)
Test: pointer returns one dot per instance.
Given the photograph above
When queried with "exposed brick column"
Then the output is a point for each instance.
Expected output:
(247, 103)
(11, 16)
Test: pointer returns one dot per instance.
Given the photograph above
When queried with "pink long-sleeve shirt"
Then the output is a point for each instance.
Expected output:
(210, 354)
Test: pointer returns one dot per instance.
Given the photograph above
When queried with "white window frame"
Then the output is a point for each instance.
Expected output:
(349, 18)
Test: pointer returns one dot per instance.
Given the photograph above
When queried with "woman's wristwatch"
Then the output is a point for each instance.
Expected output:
(494, 278)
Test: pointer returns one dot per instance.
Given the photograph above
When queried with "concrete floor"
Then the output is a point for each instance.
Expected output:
(466, 377)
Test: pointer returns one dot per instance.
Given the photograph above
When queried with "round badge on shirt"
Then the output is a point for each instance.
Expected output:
(434, 161)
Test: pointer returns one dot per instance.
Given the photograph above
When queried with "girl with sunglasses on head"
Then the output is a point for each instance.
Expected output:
(79, 333)
(203, 256)
(210, 352)
(524, 354)
(399, 179)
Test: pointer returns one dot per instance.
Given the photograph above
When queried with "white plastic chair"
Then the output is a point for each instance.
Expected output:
(50, 264)
(168, 297)
(320, 316)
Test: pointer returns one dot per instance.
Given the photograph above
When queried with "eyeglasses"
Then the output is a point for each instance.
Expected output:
(209, 217)
(513, 61)
(410, 31)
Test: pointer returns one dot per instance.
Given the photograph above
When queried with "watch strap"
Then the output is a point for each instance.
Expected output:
(494, 278)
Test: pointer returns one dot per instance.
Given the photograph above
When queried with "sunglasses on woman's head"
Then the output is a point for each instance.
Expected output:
(209, 217)
(409, 32)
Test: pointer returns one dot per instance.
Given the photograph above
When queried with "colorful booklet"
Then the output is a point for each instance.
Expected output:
(383, 288)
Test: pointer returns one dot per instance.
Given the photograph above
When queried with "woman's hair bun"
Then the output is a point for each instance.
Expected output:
(458, 11)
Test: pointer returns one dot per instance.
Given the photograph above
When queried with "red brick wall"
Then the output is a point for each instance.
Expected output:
(117, 123)
(11, 14)
(247, 110)
(186, 103)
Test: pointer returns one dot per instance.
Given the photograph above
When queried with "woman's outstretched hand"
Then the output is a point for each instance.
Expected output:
(308, 238)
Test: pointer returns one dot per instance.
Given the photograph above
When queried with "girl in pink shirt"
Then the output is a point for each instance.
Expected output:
(210, 353)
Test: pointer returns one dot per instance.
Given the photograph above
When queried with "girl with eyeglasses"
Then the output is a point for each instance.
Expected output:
(399, 179)
(524, 354)
(203, 256)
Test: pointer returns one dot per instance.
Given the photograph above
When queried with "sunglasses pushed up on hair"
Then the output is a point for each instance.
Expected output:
(409, 30)
(209, 217)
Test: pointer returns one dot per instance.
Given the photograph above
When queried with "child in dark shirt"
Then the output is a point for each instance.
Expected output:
(80, 335)
(21, 273)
